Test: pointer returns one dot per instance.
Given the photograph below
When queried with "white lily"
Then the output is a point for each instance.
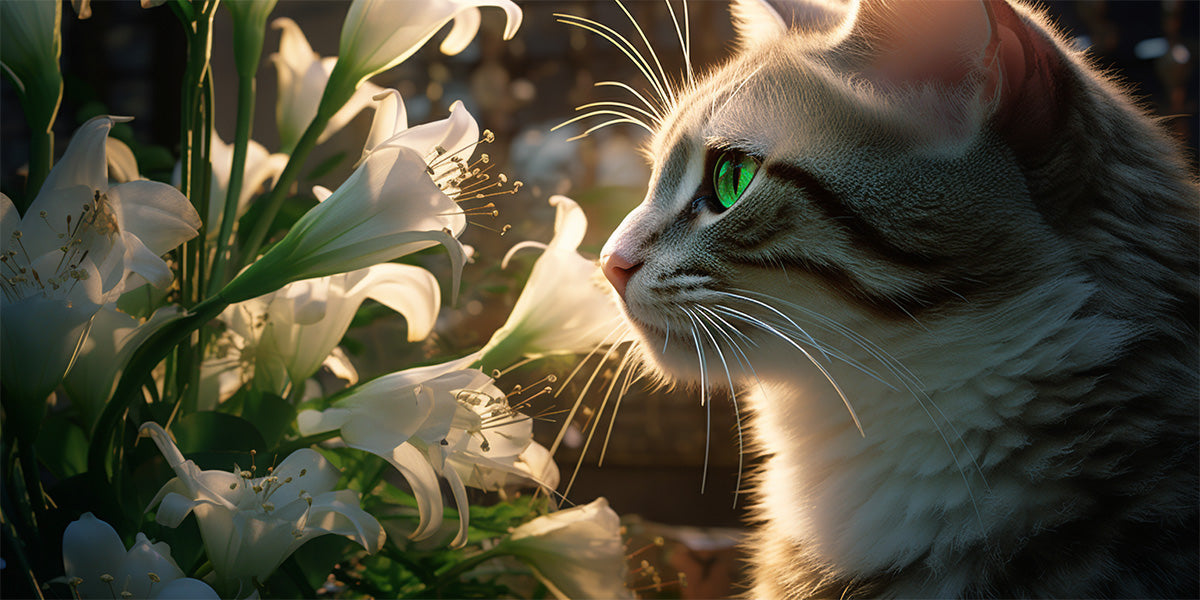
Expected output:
(380, 34)
(489, 445)
(394, 203)
(566, 306)
(576, 552)
(437, 421)
(98, 566)
(287, 335)
(79, 246)
(251, 524)
(302, 78)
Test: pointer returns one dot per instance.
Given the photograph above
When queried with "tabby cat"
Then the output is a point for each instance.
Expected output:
(952, 270)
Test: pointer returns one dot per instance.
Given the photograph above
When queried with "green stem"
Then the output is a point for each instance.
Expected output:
(41, 158)
(304, 442)
(279, 192)
(454, 572)
(337, 92)
(245, 121)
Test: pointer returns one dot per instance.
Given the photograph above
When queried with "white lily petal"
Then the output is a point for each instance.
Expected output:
(174, 508)
(339, 513)
(449, 136)
(566, 307)
(186, 588)
(312, 422)
(308, 471)
(39, 341)
(570, 224)
(466, 25)
(459, 491)
(122, 166)
(143, 262)
(384, 416)
(161, 217)
(10, 219)
(340, 366)
(77, 167)
(362, 98)
(144, 558)
(415, 468)
(378, 34)
(390, 117)
(91, 547)
(577, 552)
(408, 290)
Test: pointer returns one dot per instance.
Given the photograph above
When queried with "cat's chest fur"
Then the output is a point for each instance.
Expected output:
(947, 450)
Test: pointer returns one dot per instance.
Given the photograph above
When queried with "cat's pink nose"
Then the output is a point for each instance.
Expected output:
(618, 270)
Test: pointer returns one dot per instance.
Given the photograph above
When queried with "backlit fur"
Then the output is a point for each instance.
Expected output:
(1012, 318)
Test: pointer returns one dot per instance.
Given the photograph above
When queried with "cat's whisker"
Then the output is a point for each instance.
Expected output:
(670, 97)
(625, 118)
(835, 327)
(811, 340)
(685, 38)
(732, 389)
(654, 118)
(705, 400)
(603, 125)
(813, 360)
(562, 432)
(651, 108)
(907, 378)
(619, 331)
(595, 421)
(919, 395)
(624, 45)
(629, 379)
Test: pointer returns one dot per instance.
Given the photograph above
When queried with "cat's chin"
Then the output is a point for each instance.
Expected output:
(665, 354)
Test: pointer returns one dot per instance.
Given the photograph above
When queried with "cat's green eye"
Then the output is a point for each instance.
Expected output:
(732, 175)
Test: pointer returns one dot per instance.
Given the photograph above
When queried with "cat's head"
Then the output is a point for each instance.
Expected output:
(855, 164)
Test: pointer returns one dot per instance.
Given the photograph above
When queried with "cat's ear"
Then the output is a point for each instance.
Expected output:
(823, 22)
(980, 56)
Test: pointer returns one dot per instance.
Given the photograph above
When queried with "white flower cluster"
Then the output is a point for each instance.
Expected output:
(86, 250)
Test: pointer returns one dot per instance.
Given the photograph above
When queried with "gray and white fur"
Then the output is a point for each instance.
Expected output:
(971, 243)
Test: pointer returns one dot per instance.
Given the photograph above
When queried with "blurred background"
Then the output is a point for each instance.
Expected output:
(128, 61)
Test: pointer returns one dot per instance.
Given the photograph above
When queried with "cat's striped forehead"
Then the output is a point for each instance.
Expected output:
(776, 103)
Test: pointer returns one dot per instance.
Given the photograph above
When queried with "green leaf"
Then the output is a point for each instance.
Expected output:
(272, 414)
(62, 447)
